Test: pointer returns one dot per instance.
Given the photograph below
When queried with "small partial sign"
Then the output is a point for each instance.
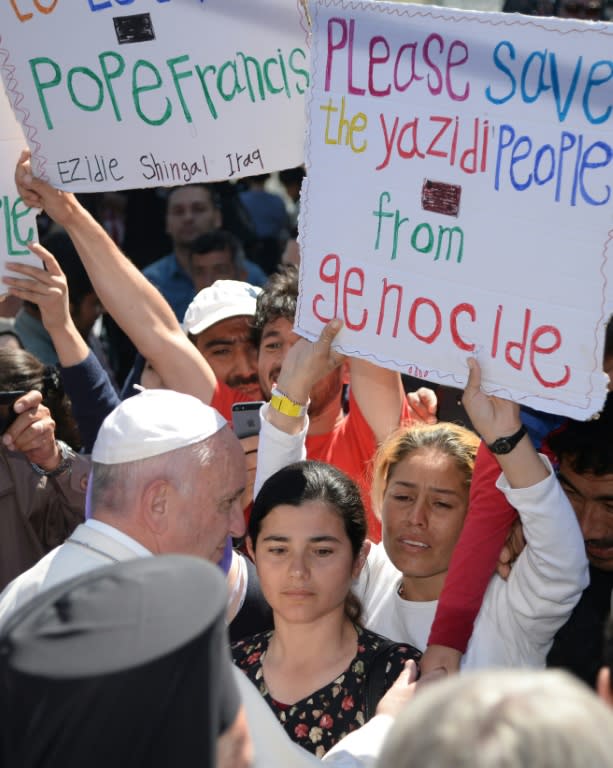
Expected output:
(137, 28)
(438, 197)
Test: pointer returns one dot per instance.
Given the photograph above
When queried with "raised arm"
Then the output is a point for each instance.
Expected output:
(551, 572)
(494, 418)
(137, 307)
(86, 382)
(48, 289)
(378, 394)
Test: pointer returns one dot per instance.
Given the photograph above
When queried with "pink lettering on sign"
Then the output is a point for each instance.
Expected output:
(329, 273)
(435, 63)
(344, 292)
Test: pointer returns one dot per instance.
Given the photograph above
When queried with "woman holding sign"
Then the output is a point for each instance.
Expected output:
(422, 479)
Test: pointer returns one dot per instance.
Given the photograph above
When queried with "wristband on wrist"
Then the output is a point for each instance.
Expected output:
(66, 454)
(284, 404)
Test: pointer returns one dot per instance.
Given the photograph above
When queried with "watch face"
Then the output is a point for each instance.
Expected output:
(502, 445)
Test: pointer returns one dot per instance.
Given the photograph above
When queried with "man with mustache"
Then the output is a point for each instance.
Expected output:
(585, 452)
(218, 321)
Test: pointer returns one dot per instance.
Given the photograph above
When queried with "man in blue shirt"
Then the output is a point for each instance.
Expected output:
(191, 211)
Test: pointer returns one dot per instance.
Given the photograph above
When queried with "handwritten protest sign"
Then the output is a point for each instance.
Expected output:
(136, 93)
(458, 200)
(17, 221)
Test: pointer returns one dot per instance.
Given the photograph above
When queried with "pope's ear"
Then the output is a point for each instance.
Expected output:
(155, 503)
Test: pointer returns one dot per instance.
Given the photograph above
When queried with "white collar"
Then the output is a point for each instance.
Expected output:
(119, 536)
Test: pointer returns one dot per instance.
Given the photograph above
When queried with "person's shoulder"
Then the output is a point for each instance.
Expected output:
(370, 641)
(255, 274)
(160, 268)
(377, 643)
(248, 651)
(26, 586)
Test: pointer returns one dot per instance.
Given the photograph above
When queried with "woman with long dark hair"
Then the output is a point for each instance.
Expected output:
(317, 668)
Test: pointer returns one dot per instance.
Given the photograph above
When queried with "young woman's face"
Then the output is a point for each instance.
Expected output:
(304, 561)
(423, 512)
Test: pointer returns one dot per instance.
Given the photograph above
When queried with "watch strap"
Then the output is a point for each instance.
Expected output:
(503, 445)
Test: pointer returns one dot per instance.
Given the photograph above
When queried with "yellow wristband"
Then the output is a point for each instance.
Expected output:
(282, 403)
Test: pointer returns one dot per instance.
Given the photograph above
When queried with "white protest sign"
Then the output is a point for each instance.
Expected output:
(17, 221)
(458, 198)
(139, 93)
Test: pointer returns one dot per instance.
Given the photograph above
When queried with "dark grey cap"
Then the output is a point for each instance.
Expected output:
(125, 665)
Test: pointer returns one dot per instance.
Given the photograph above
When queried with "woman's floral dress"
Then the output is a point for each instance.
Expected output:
(318, 721)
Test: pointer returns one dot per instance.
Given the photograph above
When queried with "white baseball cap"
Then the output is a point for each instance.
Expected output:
(153, 422)
(220, 301)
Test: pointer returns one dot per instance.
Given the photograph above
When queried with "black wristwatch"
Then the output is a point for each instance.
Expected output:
(504, 445)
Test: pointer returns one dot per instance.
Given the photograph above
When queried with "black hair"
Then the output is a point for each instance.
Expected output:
(20, 370)
(608, 340)
(292, 175)
(588, 445)
(278, 298)
(210, 188)
(79, 284)
(597, 9)
(218, 240)
(529, 7)
(315, 481)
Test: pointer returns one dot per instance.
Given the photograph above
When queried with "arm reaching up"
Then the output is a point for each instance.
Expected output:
(379, 395)
(282, 437)
(49, 290)
(136, 306)
(519, 617)
(495, 418)
(86, 382)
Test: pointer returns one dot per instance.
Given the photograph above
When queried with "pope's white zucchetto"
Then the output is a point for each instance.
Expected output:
(154, 422)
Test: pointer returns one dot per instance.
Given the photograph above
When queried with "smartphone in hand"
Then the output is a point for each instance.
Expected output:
(246, 418)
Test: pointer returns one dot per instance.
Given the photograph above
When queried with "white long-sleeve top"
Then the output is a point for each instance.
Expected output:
(520, 616)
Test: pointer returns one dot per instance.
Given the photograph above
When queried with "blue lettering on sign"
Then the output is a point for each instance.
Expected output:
(570, 166)
(100, 5)
(538, 76)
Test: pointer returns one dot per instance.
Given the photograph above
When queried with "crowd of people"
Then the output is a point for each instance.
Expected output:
(306, 575)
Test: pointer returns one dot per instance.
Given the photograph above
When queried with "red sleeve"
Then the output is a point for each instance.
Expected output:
(474, 557)
(350, 447)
